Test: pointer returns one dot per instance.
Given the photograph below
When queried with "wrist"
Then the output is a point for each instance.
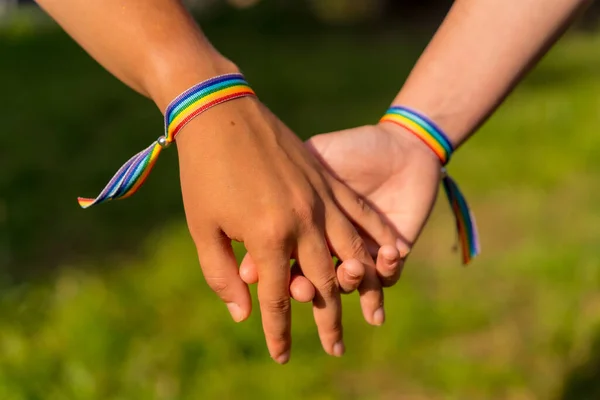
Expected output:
(173, 71)
(413, 123)
(410, 143)
(446, 114)
(198, 102)
(220, 128)
(421, 128)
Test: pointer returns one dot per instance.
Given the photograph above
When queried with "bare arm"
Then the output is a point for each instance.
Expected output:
(244, 175)
(479, 53)
(154, 46)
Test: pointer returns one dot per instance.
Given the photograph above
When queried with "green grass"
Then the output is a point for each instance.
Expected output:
(127, 315)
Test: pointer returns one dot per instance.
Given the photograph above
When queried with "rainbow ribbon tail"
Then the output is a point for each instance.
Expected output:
(465, 221)
(128, 179)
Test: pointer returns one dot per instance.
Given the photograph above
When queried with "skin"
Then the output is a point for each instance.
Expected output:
(244, 174)
(479, 53)
(477, 56)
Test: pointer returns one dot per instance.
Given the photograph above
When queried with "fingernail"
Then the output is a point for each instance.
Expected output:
(284, 358)
(353, 270)
(351, 276)
(390, 254)
(402, 248)
(339, 349)
(379, 316)
(235, 311)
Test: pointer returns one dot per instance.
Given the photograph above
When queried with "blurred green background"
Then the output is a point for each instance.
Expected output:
(110, 303)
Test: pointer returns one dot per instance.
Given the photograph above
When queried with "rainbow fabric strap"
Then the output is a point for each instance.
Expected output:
(188, 105)
(438, 142)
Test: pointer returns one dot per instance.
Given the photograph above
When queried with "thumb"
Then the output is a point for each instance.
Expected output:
(318, 144)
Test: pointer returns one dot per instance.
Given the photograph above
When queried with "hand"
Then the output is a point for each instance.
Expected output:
(390, 168)
(246, 177)
(394, 172)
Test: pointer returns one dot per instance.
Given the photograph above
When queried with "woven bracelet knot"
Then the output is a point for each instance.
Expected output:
(185, 107)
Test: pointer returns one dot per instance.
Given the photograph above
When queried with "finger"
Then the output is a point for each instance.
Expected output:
(273, 265)
(248, 271)
(301, 289)
(389, 265)
(372, 246)
(363, 215)
(219, 267)
(317, 266)
(350, 274)
(347, 244)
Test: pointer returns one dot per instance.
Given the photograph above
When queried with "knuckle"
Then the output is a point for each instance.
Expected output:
(305, 211)
(356, 246)
(279, 305)
(276, 229)
(218, 285)
(328, 286)
(308, 209)
(362, 205)
(336, 329)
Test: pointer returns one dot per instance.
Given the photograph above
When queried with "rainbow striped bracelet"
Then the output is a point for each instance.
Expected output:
(438, 142)
(188, 105)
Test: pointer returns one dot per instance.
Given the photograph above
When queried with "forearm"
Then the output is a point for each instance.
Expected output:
(479, 53)
(154, 46)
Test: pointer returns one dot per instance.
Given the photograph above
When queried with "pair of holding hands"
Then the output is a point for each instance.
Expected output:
(356, 194)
